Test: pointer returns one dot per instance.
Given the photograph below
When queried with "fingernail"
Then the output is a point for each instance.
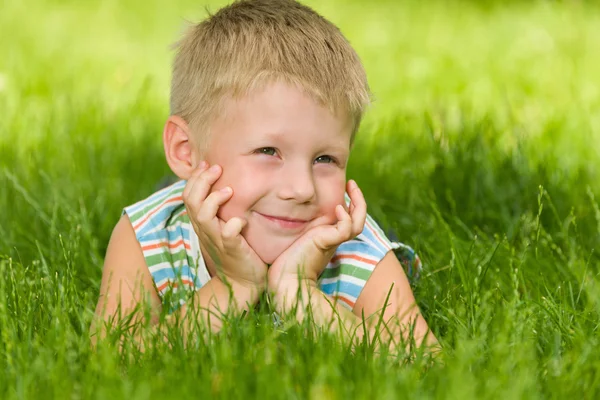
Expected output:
(214, 168)
(226, 189)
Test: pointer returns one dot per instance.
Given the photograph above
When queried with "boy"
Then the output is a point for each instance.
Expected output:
(266, 98)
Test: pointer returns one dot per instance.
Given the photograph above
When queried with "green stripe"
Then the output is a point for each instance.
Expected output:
(346, 269)
(148, 206)
(166, 256)
(183, 219)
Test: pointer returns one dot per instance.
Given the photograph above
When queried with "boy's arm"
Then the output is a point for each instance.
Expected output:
(127, 283)
(401, 315)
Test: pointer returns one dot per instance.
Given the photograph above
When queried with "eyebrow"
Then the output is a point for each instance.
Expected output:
(278, 135)
(338, 149)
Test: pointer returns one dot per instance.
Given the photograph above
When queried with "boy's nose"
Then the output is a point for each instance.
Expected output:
(297, 185)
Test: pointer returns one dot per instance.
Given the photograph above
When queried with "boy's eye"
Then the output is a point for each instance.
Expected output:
(324, 159)
(270, 151)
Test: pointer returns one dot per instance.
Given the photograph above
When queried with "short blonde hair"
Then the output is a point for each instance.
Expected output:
(252, 42)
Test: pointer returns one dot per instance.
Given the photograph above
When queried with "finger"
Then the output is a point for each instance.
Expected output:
(208, 211)
(201, 187)
(344, 224)
(231, 232)
(335, 235)
(359, 208)
(192, 180)
(345, 205)
(350, 207)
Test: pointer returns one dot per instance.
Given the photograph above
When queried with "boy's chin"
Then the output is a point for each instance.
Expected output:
(269, 250)
(269, 255)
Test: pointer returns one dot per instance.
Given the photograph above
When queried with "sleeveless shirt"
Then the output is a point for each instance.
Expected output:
(172, 251)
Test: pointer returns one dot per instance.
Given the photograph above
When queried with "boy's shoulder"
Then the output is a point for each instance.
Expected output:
(165, 235)
(158, 210)
(367, 249)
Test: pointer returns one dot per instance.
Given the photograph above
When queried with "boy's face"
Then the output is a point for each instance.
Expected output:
(285, 156)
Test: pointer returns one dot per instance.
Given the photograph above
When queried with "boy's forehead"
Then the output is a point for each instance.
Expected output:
(279, 111)
(338, 141)
(277, 92)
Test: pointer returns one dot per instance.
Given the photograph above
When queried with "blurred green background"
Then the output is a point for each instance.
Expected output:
(481, 151)
(84, 86)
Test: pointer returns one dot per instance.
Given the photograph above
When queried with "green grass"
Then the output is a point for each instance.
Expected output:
(481, 151)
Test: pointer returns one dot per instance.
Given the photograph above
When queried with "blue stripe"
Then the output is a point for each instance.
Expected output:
(360, 247)
(174, 273)
(154, 197)
(172, 236)
(158, 220)
(369, 235)
(343, 287)
(132, 209)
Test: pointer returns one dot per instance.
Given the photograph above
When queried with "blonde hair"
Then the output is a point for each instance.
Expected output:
(252, 42)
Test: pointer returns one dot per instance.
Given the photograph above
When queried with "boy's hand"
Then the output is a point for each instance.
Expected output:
(307, 257)
(233, 257)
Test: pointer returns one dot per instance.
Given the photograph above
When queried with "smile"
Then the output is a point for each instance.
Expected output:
(284, 223)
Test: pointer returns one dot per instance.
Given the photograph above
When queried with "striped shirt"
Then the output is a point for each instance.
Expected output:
(172, 251)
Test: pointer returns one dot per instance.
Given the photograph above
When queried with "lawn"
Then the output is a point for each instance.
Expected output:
(481, 151)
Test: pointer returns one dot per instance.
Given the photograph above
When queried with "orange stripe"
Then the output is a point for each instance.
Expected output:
(377, 235)
(354, 257)
(174, 285)
(351, 304)
(174, 199)
(165, 244)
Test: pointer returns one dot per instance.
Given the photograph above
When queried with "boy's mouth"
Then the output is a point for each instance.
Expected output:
(283, 222)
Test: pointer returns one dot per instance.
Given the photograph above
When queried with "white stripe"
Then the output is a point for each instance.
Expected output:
(344, 278)
(159, 267)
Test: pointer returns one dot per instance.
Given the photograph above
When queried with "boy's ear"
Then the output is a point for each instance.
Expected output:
(180, 151)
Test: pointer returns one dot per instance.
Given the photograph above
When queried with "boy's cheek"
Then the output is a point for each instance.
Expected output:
(223, 181)
(232, 207)
(237, 205)
(337, 198)
(229, 210)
